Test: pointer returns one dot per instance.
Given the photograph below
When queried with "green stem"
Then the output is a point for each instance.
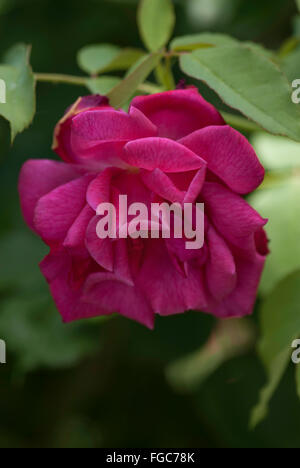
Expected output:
(234, 120)
(160, 75)
(56, 78)
(240, 123)
(82, 81)
(164, 74)
(169, 74)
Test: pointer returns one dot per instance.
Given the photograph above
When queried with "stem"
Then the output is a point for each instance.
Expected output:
(82, 81)
(233, 120)
(177, 53)
(164, 74)
(56, 78)
(169, 74)
(160, 75)
(240, 122)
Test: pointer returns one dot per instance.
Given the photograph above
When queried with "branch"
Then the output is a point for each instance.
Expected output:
(146, 87)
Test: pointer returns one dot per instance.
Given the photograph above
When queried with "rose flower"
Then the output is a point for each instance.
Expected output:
(169, 147)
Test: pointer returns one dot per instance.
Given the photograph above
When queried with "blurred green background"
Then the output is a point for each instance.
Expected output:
(107, 383)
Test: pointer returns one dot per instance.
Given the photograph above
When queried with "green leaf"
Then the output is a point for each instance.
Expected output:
(135, 65)
(247, 81)
(204, 40)
(191, 42)
(156, 20)
(229, 339)
(259, 49)
(298, 4)
(123, 91)
(103, 84)
(276, 153)
(280, 318)
(126, 59)
(291, 65)
(280, 325)
(275, 371)
(16, 72)
(280, 204)
(95, 59)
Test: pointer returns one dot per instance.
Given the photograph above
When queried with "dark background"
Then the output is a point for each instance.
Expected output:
(103, 384)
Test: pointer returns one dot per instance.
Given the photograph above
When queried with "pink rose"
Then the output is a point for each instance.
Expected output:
(172, 146)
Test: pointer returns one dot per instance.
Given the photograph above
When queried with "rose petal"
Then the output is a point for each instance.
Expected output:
(56, 212)
(178, 113)
(232, 216)
(75, 237)
(57, 267)
(122, 269)
(241, 301)
(229, 155)
(100, 249)
(99, 189)
(161, 153)
(109, 124)
(116, 296)
(96, 156)
(159, 183)
(39, 177)
(220, 267)
(167, 290)
(62, 134)
(195, 186)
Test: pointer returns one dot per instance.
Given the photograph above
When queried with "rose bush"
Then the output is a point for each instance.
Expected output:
(172, 147)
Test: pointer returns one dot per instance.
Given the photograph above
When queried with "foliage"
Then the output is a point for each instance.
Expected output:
(252, 86)
(280, 324)
(19, 108)
(245, 75)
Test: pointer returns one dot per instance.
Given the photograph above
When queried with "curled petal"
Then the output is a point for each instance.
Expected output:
(109, 125)
(75, 238)
(100, 249)
(99, 189)
(116, 296)
(161, 153)
(166, 288)
(159, 183)
(241, 301)
(62, 134)
(229, 155)
(56, 212)
(232, 216)
(58, 267)
(220, 267)
(195, 186)
(39, 177)
(178, 113)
